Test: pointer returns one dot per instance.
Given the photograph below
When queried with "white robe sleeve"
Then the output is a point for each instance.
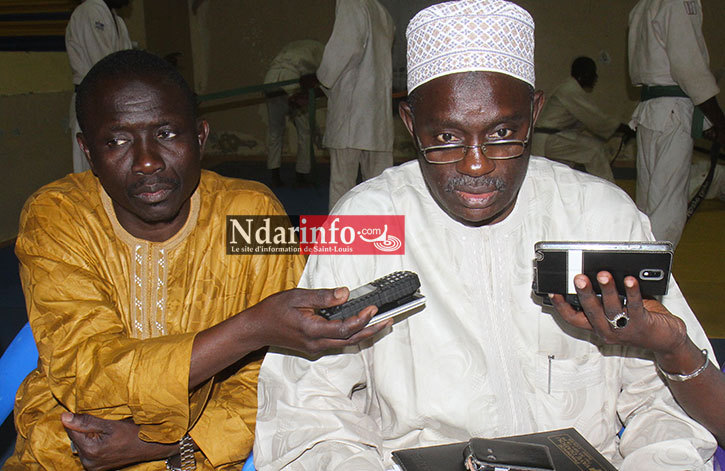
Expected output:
(312, 415)
(346, 44)
(318, 415)
(658, 434)
(686, 51)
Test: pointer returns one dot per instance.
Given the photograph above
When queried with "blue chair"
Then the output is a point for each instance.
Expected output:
(249, 464)
(20, 358)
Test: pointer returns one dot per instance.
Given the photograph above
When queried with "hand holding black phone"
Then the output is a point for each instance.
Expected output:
(556, 264)
(393, 294)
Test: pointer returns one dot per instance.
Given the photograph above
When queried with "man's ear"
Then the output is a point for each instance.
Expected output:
(539, 100)
(406, 114)
(202, 133)
(81, 139)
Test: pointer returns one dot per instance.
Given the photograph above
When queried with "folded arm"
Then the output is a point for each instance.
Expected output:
(93, 365)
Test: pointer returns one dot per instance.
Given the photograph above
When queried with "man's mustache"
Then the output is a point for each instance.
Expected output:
(470, 184)
(151, 181)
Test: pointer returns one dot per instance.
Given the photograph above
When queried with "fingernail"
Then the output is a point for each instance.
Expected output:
(551, 295)
(339, 293)
(628, 282)
(67, 416)
(580, 283)
(602, 279)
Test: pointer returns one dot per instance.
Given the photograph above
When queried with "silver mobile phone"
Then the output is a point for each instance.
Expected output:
(556, 264)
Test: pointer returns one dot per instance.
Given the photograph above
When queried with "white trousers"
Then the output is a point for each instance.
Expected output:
(344, 165)
(578, 148)
(663, 169)
(80, 163)
(277, 111)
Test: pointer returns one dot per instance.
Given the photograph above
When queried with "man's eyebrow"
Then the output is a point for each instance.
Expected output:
(116, 126)
(122, 126)
(515, 116)
(448, 122)
(444, 123)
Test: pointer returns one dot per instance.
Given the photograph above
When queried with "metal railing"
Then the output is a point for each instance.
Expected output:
(265, 87)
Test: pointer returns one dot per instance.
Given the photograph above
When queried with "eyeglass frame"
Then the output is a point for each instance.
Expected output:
(423, 150)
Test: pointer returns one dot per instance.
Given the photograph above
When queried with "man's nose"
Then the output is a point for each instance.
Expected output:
(475, 163)
(147, 158)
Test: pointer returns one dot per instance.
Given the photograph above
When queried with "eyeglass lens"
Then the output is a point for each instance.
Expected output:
(503, 150)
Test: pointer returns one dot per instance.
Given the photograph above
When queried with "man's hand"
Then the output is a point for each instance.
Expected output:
(308, 81)
(653, 327)
(288, 319)
(714, 113)
(626, 132)
(110, 444)
(298, 101)
(650, 324)
(715, 134)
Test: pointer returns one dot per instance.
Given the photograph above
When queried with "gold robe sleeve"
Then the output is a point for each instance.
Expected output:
(90, 362)
(71, 270)
(225, 430)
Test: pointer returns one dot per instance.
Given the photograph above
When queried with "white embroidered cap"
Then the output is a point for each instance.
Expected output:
(470, 35)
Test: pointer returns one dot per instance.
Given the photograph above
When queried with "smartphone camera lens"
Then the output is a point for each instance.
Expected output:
(651, 274)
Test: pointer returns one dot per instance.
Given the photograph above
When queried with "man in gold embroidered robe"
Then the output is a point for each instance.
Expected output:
(148, 332)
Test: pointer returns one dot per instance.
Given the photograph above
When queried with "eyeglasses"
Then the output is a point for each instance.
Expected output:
(493, 150)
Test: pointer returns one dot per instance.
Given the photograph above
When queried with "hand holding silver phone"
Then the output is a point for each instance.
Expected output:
(557, 262)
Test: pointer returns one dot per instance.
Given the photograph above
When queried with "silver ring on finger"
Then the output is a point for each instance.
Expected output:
(619, 321)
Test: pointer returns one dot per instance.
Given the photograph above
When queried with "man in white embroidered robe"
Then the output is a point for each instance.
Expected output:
(484, 358)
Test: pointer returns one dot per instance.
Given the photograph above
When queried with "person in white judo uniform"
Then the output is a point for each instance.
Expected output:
(669, 60)
(356, 74)
(573, 129)
(93, 32)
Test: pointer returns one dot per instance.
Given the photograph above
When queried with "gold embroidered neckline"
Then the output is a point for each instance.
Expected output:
(132, 241)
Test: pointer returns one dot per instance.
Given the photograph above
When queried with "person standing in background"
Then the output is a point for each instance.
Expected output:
(357, 76)
(668, 58)
(572, 128)
(297, 59)
(94, 31)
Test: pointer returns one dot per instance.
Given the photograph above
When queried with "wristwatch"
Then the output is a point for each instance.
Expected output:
(186, 452)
